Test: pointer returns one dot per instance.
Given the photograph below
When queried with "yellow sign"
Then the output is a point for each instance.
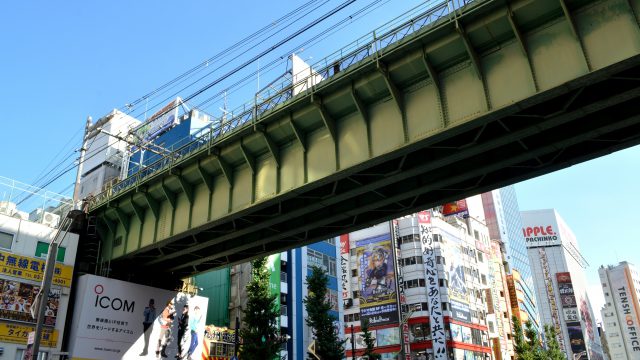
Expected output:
(29, 268)
(18, 334)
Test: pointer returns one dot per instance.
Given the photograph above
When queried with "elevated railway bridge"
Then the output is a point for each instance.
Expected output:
(456, 101)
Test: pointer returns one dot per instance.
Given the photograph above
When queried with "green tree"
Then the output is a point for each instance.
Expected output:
(369, 341)
(553, 351)
(259, 330)
(520, 344)
(328, 346)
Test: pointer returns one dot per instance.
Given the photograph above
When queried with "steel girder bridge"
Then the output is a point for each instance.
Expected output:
(456, 101)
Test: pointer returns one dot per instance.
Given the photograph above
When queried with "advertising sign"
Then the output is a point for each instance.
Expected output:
(159, 122)
(626, 302)
(220, 343)
(28, 268)
(578, 346)
(540, 229)
(455, 207)
(402, 298)
(114, 319)
(551, 298)
(345, 276)
(388, 336)
(16, 300)
(273, 264)
(436, 322)
(460, 311)
(571, 314)
(377, 280)
(18, 334)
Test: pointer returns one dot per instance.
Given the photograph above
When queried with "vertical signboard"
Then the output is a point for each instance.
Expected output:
(115, 319)
(345, 276)
(273, 264)
(377, 280)
(402, 299)
(626, 303)
(436, 320)
(551, 298)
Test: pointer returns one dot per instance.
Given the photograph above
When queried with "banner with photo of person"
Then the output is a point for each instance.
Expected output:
(17, 298)
(458, 291)
(377, 284)
(115, 319)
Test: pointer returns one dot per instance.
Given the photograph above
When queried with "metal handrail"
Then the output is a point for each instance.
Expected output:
(251, 112)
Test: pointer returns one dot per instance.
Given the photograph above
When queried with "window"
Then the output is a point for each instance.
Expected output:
(42, 355)
(6, 240)
(445, 306)
(354, 272)
(42, 248)
(331, 241)
(476, 234)
(356, 294)
(480, 257)
(323, 261)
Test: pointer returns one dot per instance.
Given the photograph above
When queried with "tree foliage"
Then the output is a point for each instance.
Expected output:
(328, 345)
(369, 341)
(259, 330)
(527, 344)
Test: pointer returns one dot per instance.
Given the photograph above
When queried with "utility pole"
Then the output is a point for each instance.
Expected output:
(83, 150)
(353, 344)
(50, 265)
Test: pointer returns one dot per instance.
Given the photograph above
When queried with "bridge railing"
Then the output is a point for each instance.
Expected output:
(281, 90)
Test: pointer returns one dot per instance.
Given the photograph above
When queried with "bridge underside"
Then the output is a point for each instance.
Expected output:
(501, 94)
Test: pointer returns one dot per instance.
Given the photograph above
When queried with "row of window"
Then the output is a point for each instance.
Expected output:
(42, 248)
(321, 260)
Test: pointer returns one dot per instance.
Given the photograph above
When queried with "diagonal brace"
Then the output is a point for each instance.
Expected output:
(298, 133)
(226, 169)
(327, 119)
(152, 203)
(475, 60)
(271, 145)
(393, 89)
(359, 104)
(250, 159)
(169, 195)
(137, 209)
(186, 187)
(205, 176)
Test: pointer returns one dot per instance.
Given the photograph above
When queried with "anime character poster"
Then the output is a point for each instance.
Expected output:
(377, 281)
(458, 292)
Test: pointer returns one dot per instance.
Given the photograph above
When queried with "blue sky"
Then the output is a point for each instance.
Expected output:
(63, 61)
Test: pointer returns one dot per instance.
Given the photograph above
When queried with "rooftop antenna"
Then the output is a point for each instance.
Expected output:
(224, 108)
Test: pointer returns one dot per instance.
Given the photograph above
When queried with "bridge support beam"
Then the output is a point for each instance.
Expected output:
(396, 95)
(298, 134)
(271, 145)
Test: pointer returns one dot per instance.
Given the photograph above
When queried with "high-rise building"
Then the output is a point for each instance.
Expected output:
(421, 282)
(499, 309)
(621, 312)
(560, 283)
(502, 216)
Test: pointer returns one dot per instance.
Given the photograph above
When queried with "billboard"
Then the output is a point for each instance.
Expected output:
(273, 264)
(115, 319)
(551, 298)
(378, 299)
(456, 207)
(345, 276)
(436, 321)
(458, 292)
(576, 339)
(18, 334)
(159, 122)
(540, 228)
(16, 299)
(30, 268)
(625, 299)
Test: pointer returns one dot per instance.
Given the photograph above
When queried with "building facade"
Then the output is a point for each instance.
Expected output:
(502, 216)
(559, 279)
(499, 309)
(621, 312)
(432, 303)
(23, 250)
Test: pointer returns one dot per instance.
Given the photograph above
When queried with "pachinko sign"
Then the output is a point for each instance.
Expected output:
(541, 235)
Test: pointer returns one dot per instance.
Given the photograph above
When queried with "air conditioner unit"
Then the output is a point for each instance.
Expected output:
(7, 208)
(50, 219)
(44, 217)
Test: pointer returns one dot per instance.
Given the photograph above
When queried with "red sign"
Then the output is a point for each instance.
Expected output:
(344, 244)
(538, 230)
(563, 277)
(424, 217)
(455, 207)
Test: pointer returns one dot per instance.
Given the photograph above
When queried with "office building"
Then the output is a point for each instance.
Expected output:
(502, 216)
(559, 279)
(621, 312)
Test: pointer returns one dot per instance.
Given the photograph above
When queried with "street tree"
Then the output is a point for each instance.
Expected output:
(369, 341)
(259, 330)
(317, 304)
